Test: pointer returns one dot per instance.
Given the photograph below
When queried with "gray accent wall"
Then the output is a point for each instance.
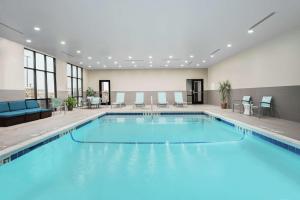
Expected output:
(10, 95)
(286, 99)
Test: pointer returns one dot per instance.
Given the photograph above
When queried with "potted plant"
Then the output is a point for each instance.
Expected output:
(71, 103)
(224, 90)
(90, 92)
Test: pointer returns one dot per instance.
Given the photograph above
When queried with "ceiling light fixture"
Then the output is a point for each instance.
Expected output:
(120, 66)
(170, 57)
(134, 65)
(104, 66)
(62, 42)
(132, 62)
(191, 56)
(198, 65)
(168, 61)
(109, 57)
(98, 62)
(166, 65)
(129, 57)
(186, 61)
(229, 45)
(150, 62)
(204, 61)
(78, 51)
(212, 55)
(89, 66)
(182, 65)
(150, 65)
(115, 62)
(90, 58)
(150, 57)
(36, 28)
(28, 41)
(80, 63)
(250, 31)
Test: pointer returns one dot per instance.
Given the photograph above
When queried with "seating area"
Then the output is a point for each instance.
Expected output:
(17, 112)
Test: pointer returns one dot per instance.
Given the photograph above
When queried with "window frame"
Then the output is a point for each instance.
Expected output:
(45, 72)
(72, 77)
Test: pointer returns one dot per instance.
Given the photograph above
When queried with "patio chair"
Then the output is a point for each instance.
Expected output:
(57, 104)
(264, 104)
(139, 99)
(120, 99)
(178, 99)
(162, 99)
(246, 100)
(95, 101)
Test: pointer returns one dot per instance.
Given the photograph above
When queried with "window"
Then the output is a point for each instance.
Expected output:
(74, 82)
(39, 76)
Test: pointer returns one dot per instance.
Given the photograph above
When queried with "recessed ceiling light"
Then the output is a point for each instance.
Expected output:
(204, 61)
(150, 62)
(109, 57)
(182, 65)
(166, 65)
(115, 62)
(28, 41)
(98, 62)
(104, 66)
(186, 61)
(120, 66)
(229, 45)
(132, 62)
(62, 42)
(36, 28)
(89, 66)
(170, 57)
(198, 65)
(250, 31)
(90, 58)
(134, 65)
(191, 56)
(212, 55)
(78, 51)
(129, 57)
(80, 63)
(150, 65)
(150, 57)
(168, 61)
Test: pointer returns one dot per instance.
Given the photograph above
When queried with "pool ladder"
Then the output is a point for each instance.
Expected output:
(151, 113)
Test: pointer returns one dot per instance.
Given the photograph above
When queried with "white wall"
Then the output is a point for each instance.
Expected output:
(145, 79)
(11, 65)
(273, 63)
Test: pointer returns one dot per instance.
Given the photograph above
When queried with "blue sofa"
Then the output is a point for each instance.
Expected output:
(16, 112)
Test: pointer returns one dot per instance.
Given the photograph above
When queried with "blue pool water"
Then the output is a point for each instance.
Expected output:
(170, 157)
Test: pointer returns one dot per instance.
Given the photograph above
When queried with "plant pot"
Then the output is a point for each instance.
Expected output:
(223, 105)
(70, 108)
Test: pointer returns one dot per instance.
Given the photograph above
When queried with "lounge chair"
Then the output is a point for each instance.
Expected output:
(178, 99)
(241, 103)
(264, 104)
(162, 99)
(120, 99)
(139, 99)
(57, 104)
(95, 101)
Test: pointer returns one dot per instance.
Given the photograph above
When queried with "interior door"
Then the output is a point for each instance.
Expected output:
(104, 91)
(197, 91)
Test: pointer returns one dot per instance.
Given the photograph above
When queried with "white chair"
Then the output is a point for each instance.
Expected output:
(162, 99)
(139, 99)
(120, 99)
(178, 99)
(241, 103)
(95, 101)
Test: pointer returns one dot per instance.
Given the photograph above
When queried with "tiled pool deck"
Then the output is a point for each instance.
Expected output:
(24, 134)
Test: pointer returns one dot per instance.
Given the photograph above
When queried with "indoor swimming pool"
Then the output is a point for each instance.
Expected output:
(168, 156)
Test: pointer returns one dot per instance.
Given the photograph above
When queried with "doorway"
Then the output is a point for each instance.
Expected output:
(104, 92)
(195, 91)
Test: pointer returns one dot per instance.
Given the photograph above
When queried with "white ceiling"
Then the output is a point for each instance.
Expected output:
(139, 28)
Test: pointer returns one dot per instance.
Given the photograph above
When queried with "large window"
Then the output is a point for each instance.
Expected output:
(40, 76)
(74, 76)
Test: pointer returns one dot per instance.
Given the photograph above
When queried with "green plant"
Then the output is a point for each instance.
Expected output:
(224, 90)
(90, 92)
(71, 103)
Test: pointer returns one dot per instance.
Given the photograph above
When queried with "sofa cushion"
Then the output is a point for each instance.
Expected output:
(12, 113)
(4, 107)
(32, 104)
(17, 105)
(33, 110)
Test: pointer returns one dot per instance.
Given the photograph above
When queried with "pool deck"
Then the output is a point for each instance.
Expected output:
(22, 134)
